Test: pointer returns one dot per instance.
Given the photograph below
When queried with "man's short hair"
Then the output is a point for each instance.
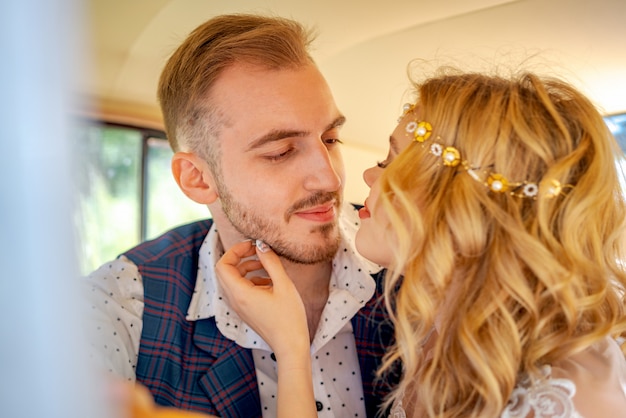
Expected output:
(191, 122)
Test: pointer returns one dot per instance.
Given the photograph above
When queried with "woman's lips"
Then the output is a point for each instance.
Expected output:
(364, 213)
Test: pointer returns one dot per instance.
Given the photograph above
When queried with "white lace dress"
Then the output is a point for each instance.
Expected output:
(545, 397)
(599, 372)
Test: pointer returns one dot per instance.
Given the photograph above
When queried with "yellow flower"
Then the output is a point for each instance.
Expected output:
(423, 131)
(451, 157)
(497, 183)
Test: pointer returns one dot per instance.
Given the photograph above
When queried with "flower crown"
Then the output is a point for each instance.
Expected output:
(450, 156)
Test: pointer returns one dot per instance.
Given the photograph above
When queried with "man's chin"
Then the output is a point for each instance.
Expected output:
(313, 256)
(311, 252)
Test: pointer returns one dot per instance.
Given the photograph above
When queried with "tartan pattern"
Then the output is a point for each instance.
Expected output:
(374, 333)
(190, 365)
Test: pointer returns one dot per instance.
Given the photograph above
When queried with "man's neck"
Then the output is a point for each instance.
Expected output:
(311, 280)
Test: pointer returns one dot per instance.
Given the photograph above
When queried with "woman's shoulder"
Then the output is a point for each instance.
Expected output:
(588, 384)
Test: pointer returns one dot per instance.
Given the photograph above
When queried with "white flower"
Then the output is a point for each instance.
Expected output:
(436, 149)
(530, 190)
(411, 126)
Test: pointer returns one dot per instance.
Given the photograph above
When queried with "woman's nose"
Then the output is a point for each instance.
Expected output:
(370, 175)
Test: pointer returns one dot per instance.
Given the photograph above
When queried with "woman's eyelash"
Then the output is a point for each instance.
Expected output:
(333, 141)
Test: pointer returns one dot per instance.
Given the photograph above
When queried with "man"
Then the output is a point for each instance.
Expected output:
(255, 132)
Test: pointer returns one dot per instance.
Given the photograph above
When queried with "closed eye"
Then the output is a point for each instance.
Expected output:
(280, 156)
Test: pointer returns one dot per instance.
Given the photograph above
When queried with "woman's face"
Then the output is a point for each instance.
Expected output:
(374, 222)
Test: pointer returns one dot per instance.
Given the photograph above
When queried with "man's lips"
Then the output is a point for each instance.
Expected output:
(321, 213)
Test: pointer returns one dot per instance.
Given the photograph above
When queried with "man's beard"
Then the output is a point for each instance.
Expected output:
(253, 225)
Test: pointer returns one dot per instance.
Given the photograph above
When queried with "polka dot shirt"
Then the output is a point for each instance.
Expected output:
(118, 307)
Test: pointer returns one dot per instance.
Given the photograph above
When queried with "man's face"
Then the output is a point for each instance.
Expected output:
(281, 173)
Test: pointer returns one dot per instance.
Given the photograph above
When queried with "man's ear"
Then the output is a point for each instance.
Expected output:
(194, 177)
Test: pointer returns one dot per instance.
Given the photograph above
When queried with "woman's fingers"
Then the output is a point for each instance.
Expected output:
(261, 281)
(249, 266)
(237, 253)
(233, 268)
(233, 264)
(271, 264)
(231, 271)
(271, 306)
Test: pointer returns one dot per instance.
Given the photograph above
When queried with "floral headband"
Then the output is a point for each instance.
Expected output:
(450, 156)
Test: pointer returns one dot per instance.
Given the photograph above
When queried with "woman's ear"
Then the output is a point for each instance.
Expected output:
(194, 177)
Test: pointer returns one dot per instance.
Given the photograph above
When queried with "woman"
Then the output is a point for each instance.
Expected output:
(504, 215)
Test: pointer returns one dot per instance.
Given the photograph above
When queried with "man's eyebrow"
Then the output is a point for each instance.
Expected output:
(276, 135)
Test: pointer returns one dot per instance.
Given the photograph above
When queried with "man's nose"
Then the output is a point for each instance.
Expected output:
(325, 169)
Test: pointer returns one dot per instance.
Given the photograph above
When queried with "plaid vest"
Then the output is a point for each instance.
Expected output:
(190, 365)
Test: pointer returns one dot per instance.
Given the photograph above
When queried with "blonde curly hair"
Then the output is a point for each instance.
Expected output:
(536, 280)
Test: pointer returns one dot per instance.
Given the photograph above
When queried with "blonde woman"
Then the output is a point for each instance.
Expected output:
(502, 209)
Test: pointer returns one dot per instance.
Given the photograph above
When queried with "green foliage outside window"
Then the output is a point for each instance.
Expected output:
(167, 205)
(121, 202)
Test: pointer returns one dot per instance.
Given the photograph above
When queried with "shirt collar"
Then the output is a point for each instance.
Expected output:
(351, 286)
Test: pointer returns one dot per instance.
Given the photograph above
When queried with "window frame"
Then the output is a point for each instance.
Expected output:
(146, 135)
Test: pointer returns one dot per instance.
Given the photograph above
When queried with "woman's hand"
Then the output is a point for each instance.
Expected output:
(270, 305)
(273, 308)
